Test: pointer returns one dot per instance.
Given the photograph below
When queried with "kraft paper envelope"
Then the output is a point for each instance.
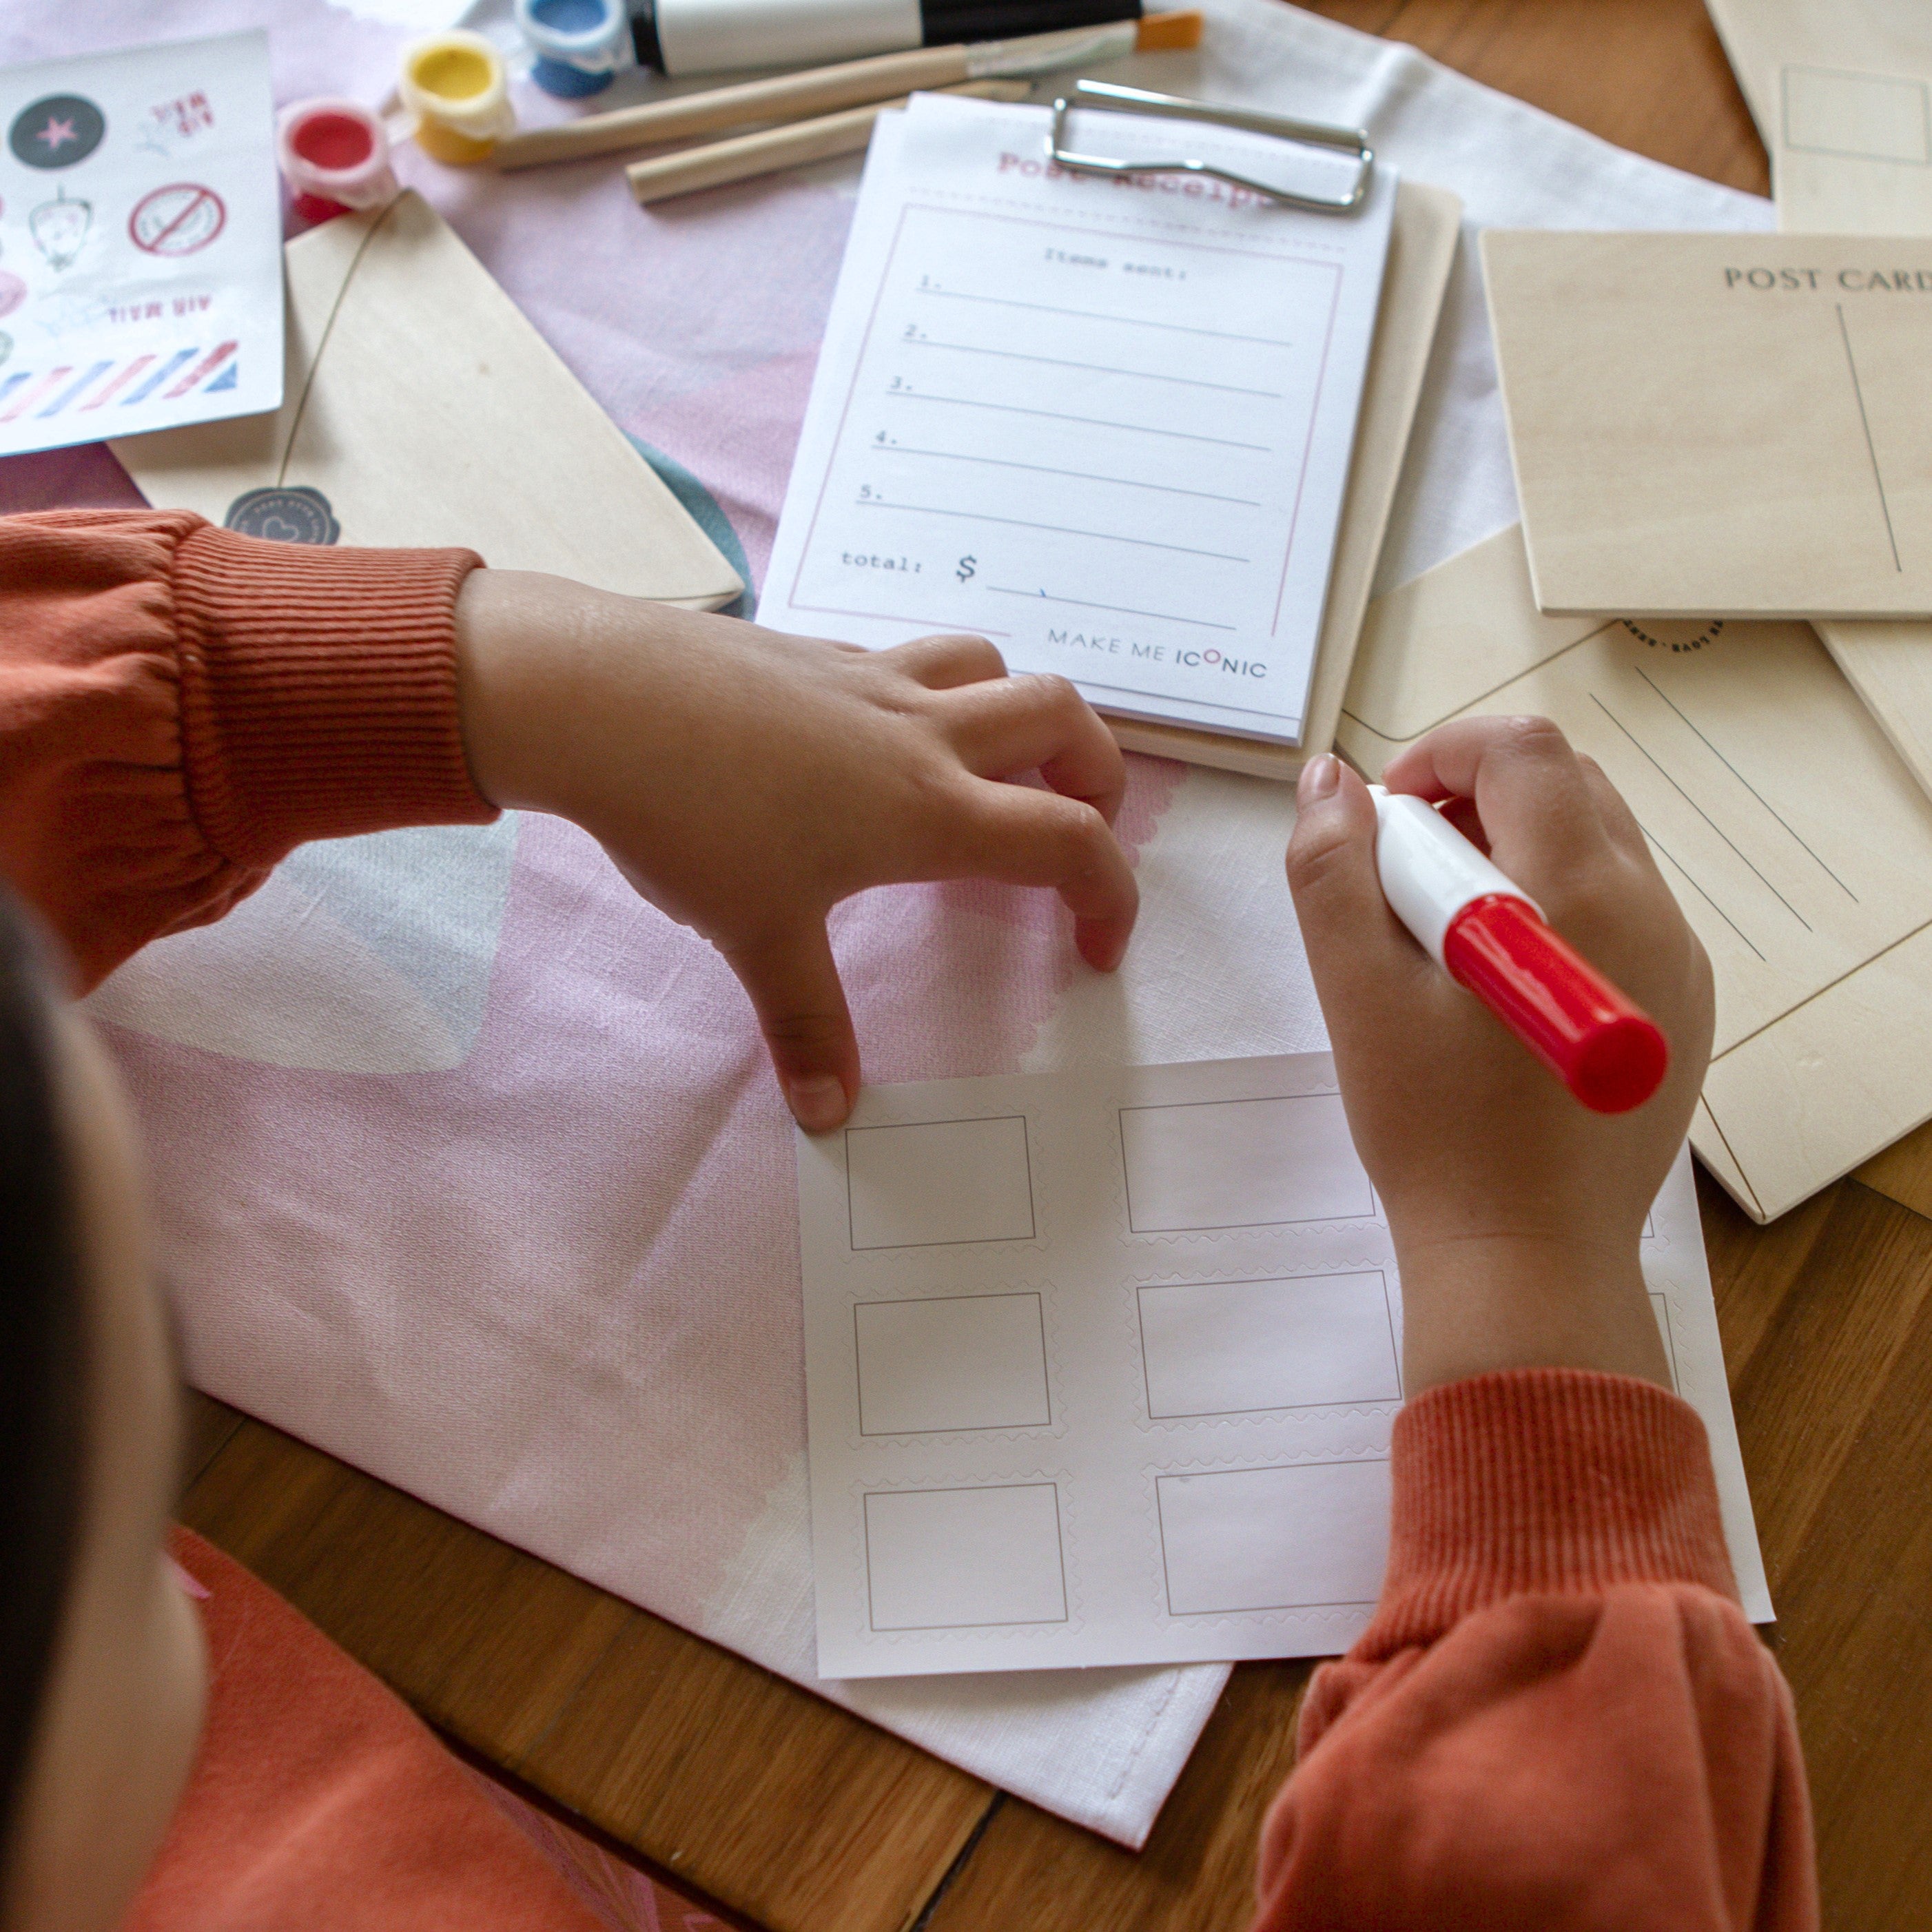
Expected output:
(1841, 91)
(1798, 845)
(1421, 250)
(421, 408)
(1719, 424)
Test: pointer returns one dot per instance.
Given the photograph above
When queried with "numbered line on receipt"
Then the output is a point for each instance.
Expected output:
(1030, 415)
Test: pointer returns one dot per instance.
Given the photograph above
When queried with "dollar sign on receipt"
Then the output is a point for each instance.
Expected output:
(966, 566)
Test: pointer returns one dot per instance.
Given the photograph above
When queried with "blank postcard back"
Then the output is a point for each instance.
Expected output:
(1719, 425)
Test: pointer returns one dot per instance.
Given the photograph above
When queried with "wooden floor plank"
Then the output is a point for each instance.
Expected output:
(1903, 1172)
(1032, 1872)
(687, 1751)
(788, 1809)
(206, 1426)
(1855, 1591)
(1836, 1293)
(1649, 75)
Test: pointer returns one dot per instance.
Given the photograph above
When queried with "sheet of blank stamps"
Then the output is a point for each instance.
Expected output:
(1101, 1367)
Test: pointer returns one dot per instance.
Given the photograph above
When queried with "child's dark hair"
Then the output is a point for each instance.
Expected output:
(43, 1350)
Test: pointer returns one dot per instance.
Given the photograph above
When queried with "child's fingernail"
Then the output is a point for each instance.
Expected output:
(817, 1102)
(1319, 777)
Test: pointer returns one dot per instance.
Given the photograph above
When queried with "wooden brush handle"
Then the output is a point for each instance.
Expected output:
(783, 97)
(772, 148)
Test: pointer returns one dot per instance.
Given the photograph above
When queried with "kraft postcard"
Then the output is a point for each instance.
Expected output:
(1719, 425)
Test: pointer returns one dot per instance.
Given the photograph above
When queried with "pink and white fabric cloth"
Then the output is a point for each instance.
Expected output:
(468, 1164)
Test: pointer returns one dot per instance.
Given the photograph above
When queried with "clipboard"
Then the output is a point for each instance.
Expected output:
(1422, 250)
(1109, 98)
(421, 409)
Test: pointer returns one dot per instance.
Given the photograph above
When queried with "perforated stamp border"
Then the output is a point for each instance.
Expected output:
(1348, 1620)
(1116, 1104)
(879, 1444)
(937, 1262)
(1071, 1553)
(1293, 1418)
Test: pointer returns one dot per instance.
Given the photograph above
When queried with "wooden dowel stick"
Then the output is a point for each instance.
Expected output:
(773, 148)
(777, 98)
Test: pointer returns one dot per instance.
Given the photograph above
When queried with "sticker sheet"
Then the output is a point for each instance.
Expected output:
(1102, 1366)
(140, 243)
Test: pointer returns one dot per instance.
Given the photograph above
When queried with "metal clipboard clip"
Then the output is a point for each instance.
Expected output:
(1105, 96)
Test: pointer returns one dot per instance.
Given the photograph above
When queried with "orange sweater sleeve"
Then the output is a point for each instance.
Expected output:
(1559, 1718)
(318, 1802)
(181, 706)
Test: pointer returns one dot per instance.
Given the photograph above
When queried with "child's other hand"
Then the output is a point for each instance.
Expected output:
(1516, 1212)
(745, 781)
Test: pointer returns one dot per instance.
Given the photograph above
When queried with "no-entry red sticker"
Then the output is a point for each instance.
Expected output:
(177, 220)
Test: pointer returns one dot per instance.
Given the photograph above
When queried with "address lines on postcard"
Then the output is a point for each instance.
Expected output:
(1042, 413)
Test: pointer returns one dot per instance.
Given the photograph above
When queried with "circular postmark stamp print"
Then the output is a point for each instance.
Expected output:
(295, 514)
(1665, 634)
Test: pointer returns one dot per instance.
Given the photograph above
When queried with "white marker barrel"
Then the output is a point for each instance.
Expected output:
(680, 37)
(712, 36)
(1430, 873)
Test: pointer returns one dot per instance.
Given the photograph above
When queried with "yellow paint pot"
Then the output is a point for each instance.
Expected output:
(458, 89)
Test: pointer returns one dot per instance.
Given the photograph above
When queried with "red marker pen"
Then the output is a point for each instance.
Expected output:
(1488, 934)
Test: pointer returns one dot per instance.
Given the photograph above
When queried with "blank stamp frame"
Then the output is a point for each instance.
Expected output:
(1871, 117)
(972, 1557)
(937, 1183)
(1243, 1542)
(952, 1363)
(1210, 1349)
(1212, 1166)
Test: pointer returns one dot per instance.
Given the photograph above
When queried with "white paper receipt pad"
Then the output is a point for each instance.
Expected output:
(1105, 423)
(1101, 1368)
(1719, 425)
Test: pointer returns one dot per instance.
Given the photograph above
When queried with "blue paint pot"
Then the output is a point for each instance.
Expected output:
(579, 44)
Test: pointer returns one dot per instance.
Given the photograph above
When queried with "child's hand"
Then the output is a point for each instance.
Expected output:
(745, 781)
(1516, 1212)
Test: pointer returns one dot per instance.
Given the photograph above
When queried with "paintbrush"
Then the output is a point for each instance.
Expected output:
(713, 163)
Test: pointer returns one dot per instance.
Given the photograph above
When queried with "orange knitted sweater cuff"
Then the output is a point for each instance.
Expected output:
(318, 691)
(1535, 1481)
